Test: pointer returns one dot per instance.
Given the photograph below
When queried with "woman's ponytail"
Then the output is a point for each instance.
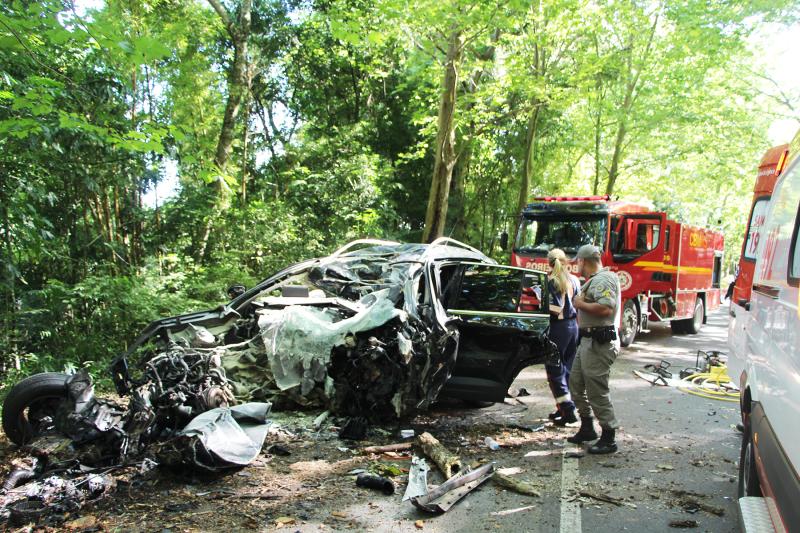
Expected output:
(556, 258)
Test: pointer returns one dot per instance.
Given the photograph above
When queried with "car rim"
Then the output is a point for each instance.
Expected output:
(629, 323)
(40, 415)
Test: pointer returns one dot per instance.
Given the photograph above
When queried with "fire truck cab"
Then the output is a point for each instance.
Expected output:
(668, 271)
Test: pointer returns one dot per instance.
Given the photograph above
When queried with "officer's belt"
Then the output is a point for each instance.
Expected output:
(599, 333)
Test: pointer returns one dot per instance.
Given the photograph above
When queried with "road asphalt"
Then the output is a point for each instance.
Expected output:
(677, 461)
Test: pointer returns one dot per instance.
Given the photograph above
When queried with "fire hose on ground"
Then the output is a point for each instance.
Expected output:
(711, 382)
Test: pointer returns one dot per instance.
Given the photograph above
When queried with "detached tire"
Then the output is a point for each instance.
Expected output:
(30, 405)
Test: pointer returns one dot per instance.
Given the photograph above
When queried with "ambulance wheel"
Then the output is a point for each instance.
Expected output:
(694, 324)
(749, 484)
(630, 324)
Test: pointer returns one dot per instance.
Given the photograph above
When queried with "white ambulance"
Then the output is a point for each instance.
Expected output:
(769, 485)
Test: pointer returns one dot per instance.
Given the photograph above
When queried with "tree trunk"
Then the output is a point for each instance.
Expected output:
(530, 154)
(458, 193)
(445, 153)
(597, 139)
(613, 170)
(237, 88)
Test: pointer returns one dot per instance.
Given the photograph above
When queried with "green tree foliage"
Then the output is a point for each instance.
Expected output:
(296, 125)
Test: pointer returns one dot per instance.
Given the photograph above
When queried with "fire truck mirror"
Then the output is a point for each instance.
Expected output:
(504, 241)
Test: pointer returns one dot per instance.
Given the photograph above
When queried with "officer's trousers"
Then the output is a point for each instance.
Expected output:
(588, 380)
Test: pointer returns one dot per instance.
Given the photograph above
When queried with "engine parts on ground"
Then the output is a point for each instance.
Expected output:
(219, 439)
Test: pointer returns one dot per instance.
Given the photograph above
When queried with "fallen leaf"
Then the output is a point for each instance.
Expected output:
(666, 467)
(419, 524)
(338, 514)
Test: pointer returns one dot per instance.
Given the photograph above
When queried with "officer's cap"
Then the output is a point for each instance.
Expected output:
(588, 251)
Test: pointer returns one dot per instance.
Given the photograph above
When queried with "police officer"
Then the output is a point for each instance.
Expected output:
(598, 308)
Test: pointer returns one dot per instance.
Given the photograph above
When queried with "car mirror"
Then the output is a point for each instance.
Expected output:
(235, 290)
(504, 241)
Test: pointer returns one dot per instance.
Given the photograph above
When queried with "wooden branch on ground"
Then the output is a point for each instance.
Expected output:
(448, 462)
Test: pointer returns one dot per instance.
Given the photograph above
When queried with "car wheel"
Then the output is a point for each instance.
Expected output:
(630, 323)
(477, 404)
(694, 324)
(29, 409)
(749, 484)
(678, 327)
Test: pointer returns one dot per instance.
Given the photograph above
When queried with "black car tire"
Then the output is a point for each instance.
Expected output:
(45, 390)
(630, 323)
(749, 485)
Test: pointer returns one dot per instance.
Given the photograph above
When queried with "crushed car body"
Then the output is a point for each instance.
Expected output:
(374, 332)
(381, 330)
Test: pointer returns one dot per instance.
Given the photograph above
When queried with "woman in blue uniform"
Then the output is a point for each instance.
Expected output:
(563, 288)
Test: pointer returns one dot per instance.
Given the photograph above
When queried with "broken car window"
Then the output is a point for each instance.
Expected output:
(498, 289)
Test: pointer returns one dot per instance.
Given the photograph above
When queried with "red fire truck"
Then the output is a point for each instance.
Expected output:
(668, 271)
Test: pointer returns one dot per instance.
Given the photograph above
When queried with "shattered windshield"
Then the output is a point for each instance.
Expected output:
(542, 234)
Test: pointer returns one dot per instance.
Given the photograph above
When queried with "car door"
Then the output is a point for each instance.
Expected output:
(501, 313)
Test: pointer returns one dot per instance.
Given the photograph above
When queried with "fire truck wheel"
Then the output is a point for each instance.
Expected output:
(678, 326)
(694, 324)
(630, 324)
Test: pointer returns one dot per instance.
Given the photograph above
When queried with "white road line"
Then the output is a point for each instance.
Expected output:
(570, 510)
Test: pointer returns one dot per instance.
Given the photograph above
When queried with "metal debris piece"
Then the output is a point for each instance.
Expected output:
(443, 497)
(417, 478)
(225, 437)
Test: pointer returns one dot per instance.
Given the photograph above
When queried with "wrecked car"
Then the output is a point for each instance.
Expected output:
(377, 329)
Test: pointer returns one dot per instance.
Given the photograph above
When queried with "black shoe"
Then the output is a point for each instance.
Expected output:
(606, 444)
(555, 414)
(568, 418)
(585, 433)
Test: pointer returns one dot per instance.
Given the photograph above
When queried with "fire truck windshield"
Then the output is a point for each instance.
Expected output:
(539, 235)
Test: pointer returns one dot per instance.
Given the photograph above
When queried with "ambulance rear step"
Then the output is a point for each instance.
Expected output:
(754, 516)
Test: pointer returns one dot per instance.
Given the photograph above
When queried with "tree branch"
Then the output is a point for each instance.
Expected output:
(224, 16)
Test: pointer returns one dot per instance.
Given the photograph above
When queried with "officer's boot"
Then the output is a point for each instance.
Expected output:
(606, 444)
(585, 433)
(567, 415)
